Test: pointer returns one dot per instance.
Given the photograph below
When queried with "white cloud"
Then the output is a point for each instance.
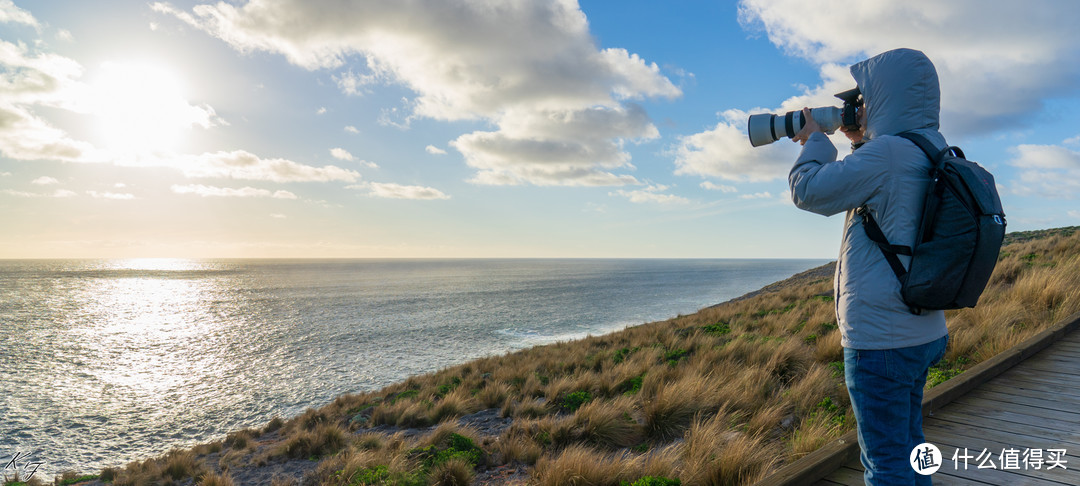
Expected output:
(1045, 157)
(321, 110)
(24, 136)
(59, 193)
(211, 191)
(44, 181)
(718, 187)
(650, 194)
(1050, 171)
(578, 147)
(110, 195)
(352, 129)
(998, 62)
(41, 78)
(355, 84)
(341, 154)
(431, 149)
(515, 65)
(1074, 214)
(11, 13)
(30, 79)
(278, 216)
(757, 195)
(240, 164)
(398, 191)
(64, 35)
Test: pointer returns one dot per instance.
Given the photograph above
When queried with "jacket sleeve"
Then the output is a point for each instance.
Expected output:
(821, 184)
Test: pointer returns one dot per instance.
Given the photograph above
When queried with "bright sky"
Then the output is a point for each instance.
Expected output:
(486, 128)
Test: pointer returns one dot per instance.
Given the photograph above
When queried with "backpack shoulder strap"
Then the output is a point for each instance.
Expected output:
(873, 231)
(929, 149)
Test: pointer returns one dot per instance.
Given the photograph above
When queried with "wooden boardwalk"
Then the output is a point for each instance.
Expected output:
(1017, 415)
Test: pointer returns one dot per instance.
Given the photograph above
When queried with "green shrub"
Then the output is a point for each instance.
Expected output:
(718, 329)
(446, 388)
(457, 446)
(633, 385)
(621, 354)
(674, 356)
(370, 475)
(575, 400)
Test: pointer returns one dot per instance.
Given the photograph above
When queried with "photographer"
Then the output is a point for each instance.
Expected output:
(888, 348)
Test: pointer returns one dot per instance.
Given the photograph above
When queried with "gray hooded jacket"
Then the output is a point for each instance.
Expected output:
(889, 175)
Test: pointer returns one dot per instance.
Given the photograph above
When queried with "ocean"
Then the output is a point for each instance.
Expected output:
(106, 361)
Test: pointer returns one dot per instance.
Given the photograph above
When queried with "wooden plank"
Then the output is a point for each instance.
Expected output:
(1067, 348)
(1066, 354)
(978, 398)
(1071, 347)
(1064, 348)
(847, 475)
(1058, 367)
(992, 415)
(1039, 392)
(945, 477)
(1060, 352)
(1062, 373)
(1069, 438)
(1037, 376)
(1074, 339)
(1070, 407)
(1033, 386)
(1053, 359)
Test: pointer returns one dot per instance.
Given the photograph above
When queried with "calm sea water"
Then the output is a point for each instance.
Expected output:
(104, 362)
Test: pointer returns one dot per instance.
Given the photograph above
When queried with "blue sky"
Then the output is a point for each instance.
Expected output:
(486, 128)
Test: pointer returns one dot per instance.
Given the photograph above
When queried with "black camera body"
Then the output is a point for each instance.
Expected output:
(852, 99)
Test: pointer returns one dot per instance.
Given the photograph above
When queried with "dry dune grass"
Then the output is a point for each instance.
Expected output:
(722, 396)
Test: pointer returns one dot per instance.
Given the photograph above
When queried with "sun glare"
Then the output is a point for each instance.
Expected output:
(140, 108)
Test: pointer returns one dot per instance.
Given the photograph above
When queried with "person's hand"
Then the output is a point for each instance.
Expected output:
(855, 135)
(808, 128)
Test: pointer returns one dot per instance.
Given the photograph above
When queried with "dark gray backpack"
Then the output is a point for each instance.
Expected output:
(959, 237)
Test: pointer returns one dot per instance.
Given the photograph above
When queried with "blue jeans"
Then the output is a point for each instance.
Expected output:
(886, 389)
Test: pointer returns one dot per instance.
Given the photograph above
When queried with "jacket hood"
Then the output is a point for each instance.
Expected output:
(900, 87)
